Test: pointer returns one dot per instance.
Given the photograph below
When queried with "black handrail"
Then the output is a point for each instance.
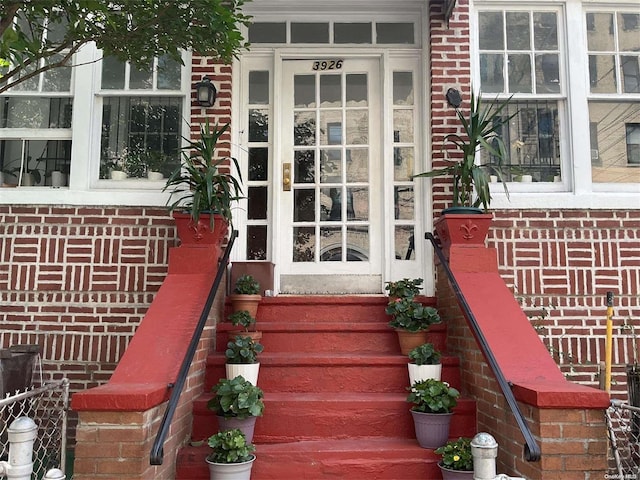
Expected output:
(531, 449)
(157, 452)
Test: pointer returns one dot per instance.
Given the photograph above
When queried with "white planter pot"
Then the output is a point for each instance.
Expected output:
(231, 471)
(118, 175)
(527, 178)
(248, 370)
(58, 179)
(423, 372)
(155, 176)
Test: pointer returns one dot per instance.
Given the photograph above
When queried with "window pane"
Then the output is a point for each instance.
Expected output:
(57, 79)
(259, 87)
(633, 143)
(545, 31)
(112, 73)
(547, 73)
(352, 32)
(268, 32)
(602, 73)
(600, 36)
(629, 32)
(36, 112)
(141, 78)
(630, 66)
(520, 73)
(310, 32)
(614, 141)
(491, 28)
(518, 31)
(42, 159)
(491, 72)
(30, 85)
(394, 33)
(168, 74)
(402, 88)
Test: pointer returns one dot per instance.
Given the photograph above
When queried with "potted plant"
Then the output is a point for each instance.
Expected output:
(237, 404)
(244, 319)
(203, 189)
(242, 358)
(405, 288)
(457, 460)
(433, 403)
(424, 363)
(246, 295)
(232, 456)
(411, 320)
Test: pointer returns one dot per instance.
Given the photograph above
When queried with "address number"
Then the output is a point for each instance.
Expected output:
(327, 64)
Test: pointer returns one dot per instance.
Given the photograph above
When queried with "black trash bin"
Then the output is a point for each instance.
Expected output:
(16, 368)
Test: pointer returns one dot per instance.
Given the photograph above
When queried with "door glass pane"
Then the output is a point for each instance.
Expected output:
(310, 32)
(331, 244)
(519, 73)
(358, 203)
(330, 127)
(491, 28)
(258, 164)
(403, 161)
(331, 166)
(357, 95)
(258, 125)
(304, 128)
(257, 203)
(256, 242)
(259, 87)
(402, 88)
(304, 166)
(403, 126)
(404, 242)
(330, 91)
(352, 32)
(357, 165)
(357, 127)
(331, 204)
(304, 91)
(357, 243)
(518, 32)
(304, 244)
(305, 205)
(404, 202)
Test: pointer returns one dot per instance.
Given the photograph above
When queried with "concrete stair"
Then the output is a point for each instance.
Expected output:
(335, 396)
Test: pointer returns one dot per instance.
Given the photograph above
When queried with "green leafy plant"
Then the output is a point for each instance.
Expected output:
(432, 396)
(242, 318)
(243, 350)
(404, 288)
(246, 285)
(481, 131)
(407, 314)
(236, 397)
(203, 183)
(425, 354)
(456, 454)
(230, 446)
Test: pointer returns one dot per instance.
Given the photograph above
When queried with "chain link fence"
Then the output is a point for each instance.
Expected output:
(623, 423)
(47, 406)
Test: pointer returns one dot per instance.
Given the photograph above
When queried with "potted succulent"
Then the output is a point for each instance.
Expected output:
(242, 358)
(246, 294)
(411, 320)
(237, 404)
(433, 403)
(457, 460)
(203, 189)
(232, 456)
(424, 363)
(244, 319)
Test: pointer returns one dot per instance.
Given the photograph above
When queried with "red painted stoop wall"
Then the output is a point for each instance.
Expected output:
(335, 396)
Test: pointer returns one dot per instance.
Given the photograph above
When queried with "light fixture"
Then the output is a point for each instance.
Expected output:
(454, 97)
(205, 92)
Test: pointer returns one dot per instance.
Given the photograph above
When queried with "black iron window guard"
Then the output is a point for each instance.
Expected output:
(531, 449)
(157, 453)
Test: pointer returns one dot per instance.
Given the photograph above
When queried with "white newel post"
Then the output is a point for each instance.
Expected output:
(484, 450)
(54, 474)
(21, 434)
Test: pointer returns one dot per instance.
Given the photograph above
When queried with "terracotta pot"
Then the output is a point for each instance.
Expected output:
(231, 471)
(432, 429)
(410, 340)
(245, 302)
(448, 474)
(200, 233)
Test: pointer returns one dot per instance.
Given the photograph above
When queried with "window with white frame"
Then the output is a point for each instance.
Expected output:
(141, 119)
(519, 57)
(613, 46)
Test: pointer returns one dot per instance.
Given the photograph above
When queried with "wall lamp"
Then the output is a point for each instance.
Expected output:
(206, 92)
(454, 97)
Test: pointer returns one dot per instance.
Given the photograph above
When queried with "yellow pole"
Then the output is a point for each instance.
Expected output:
(609, 343)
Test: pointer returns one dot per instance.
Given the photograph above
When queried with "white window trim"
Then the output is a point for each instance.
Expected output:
(577, 190)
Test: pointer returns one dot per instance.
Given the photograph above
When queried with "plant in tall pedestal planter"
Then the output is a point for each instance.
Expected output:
(246, 295)
(433, 403)
(457, 459)
(232, 456)
(242, 358)
(424, 363)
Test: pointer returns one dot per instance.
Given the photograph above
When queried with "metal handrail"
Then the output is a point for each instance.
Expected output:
(532, 451)
(157, 452)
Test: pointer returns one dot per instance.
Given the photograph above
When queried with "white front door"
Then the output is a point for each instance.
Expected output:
(331, 193)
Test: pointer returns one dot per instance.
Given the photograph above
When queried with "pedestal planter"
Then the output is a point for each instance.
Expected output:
(231, 471)
(410, 340)
(191, 233)
(248, 370)
(432, 429)
(448, 474)
(422, 372)
(246, 425)
(462, 229)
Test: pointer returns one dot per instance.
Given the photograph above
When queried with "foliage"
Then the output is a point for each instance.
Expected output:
(36, 36)
(432, 396)
(404, 288)
(246, 285)
(243, 350)
(203, 184)
(230, 446)
(411, 315)
(456, 454)
(481, 131)
(425, 354)
(242, 318)
(236, 397)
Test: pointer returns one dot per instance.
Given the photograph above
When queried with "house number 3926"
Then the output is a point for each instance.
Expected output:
(327, 64)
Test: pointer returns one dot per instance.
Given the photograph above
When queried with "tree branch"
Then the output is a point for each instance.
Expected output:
(7, 19)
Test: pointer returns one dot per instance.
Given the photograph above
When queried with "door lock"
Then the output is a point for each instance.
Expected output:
(286, 177)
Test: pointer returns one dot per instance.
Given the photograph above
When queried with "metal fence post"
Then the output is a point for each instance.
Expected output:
(22, 432)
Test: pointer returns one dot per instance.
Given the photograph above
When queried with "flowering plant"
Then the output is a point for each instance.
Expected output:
(432, 396)
(456, 454)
